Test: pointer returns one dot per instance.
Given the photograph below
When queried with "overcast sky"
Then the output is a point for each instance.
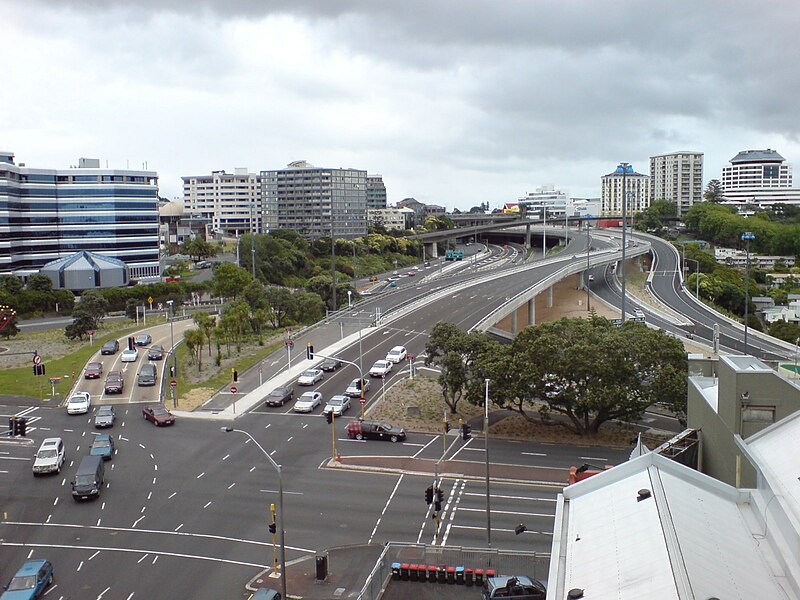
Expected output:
(454, 102)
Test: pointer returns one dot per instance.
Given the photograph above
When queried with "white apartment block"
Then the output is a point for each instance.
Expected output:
(637, 190)
(392, 219)
(738, 258)
(545, 198)
(232, 201)
(677, 177)
(760, 177)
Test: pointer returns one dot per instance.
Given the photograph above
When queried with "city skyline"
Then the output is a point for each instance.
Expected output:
(453, 105)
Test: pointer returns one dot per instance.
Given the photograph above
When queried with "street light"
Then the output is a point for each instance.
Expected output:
(588, 248)
(349, 299)
(280, 501)
(625, 167)
(696, 275)
(486, 443)
(174, 357)
(746, 237)
(795, 357)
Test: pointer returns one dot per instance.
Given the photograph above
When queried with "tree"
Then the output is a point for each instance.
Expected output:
(82, 323)
(206, 323)
(229, 280)
(783, 330)
(194, 340)
(94, 305)
(11, 284)
(713, 191)
(306, 308)
(444, 349)
(8, 322)
(197, 247)
(39, 283)
(280, 303)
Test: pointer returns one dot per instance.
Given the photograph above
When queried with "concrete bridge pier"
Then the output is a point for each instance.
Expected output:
(550, 297)
(431, 250)
(527, 235)
(532, 311)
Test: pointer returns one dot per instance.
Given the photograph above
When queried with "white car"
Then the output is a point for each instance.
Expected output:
(129, 355)
(397, 354)
(381, 368)
(354, 389)
(338, 404)
(310, 377)
(79, 403)
(308, 402)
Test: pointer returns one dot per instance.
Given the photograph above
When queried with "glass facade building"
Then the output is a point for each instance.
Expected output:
(46, 214)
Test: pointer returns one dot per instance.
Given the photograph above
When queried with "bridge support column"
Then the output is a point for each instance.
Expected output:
(550, 297)
(532, 311)
(527, 236)
(514, 329)
(432, 250)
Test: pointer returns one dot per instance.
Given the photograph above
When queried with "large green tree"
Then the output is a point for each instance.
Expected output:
(713, 191)
(230, 281)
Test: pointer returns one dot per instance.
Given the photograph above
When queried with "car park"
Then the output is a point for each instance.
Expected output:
(397, 354)
(79, 403)
(129, 355)
(93, 370)
(307, 402)
(105, 417)
(155, 352)
(338, 405)
(517, 586)
(330, 364)
(50, 457)
(374, 430)
(103, 446)
(381, 368)
(279, 396)
(30, 582)
(354, 389)
(110, 347)
(147, 375)
(310, 377)
(115, 383)
(143, 339)
(158, 415)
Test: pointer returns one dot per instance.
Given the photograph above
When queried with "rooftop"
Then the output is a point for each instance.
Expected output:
(757, 156)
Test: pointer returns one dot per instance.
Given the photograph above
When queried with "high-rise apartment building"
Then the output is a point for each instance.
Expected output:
(759, 177)
(637, 190)
(677, 177)
(315, 201)
(232, 201)
(376, 192)
(46, 214)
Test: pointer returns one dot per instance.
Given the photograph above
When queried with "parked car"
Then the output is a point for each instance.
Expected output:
(158, 415)
(155, 352)
(381, 368)
(79, 403)
(103, 446)
(354, 389)
(105, 416)
(266, 594)
(337, 405)
(396, 354)
(114, 382)
(110, 347)
(517, 586)
(307, 402)
(93, 370)
(375, 430)
(129, 355)
(279, 396)
(310, 377)
(330, 364)
(30, 581)
(50, 457)
(143, 339)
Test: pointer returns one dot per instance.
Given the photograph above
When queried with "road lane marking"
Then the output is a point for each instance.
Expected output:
(592, 458)
(533, 453)
(173, 494)
(93, 555)
(226, 457)
(510, 512)
(80, 565)
(141, 559)
(178, 528)
(103, 592)
(207, 504)
(231, 485)
(201, 474)
(137, 521)
(385, 506)
(506, 497)
(423, 448)
(284, 491)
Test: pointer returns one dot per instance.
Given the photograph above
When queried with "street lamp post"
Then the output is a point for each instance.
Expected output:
(795, 356)
(486, 436)
(349, 299)
(252, 242)
(746, 237)
(277, 467)
(588, 283)
(624, 166)
(174, 357)
(696, 276)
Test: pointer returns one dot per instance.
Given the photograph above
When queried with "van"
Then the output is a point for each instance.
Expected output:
(89, 478)
(147, 375)
(519, 587)
(50, 457)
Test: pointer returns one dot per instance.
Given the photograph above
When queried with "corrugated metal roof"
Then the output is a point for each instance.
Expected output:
(747, 156)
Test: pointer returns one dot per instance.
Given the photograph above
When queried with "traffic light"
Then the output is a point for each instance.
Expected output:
(466, 431)
(22, 426)
(439, 495)
(130, 342)
(39, 369)
(12, 427)
(272, 527)
(437, 506)
(429, 495)
(309, 351)
(235, 375)
(446, 426)
(329, 417)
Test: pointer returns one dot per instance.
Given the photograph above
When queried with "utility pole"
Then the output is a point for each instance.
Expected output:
(747, 236)
(624, 166)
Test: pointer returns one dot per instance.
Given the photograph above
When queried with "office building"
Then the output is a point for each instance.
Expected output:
(677, 177)
(231, 202)
(376, 192)
(545, 199)
(391, 219)
(48, 214)
(637, 189)
(759, 177)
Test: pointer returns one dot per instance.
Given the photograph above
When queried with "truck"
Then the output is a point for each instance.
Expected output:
(454, 255)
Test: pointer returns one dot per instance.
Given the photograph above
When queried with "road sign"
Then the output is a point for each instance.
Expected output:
(233, 389)
(289, 343)
(90, 333)
(150, 301)
(410, 357)
(173, 384)
(54, 380)
(363, 401)
(37, 360)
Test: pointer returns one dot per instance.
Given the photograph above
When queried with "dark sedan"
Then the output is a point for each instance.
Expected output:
(158, 415)
(155, 352)
(105, 416)
(279, 396)
(110, 347)
(143, 339)
(330, 364)
(93, 370)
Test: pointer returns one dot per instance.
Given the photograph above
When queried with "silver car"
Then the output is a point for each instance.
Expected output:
(310, 377)
(105, 416)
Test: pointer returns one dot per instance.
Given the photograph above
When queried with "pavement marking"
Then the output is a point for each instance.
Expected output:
(231, 485)
(207, 504)
(48, 518)
(226, 457)
(506, 497)
(178, 528)
(93, 555)
(130, 596)
(201, 474)
(533, 453)
(141, 559)
(415, 445)
(592, 458)
(510, 512)
(55, 502)
(172, 495)
(141, 446)
(13, 458)
(385, 506)
(137, 521)
(423, 448)
(103, 592)
(80, 565)
(284, 491)
(150, 495)
(289, 440)
(30, 553)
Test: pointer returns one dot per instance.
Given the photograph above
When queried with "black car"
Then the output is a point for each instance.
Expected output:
(279, 396)
(110, 347)
(330, 364)
(155, 352)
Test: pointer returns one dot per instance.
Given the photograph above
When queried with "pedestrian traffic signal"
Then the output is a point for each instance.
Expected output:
(12, 428)
(466, 431)
(22, 426)
(272, 527)
(429, 495)
(309, 351)
(329, 416)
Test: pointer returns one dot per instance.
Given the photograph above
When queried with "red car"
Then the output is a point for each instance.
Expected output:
(93, 370)
(158, 415)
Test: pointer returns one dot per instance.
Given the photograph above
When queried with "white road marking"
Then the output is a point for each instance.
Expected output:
(155, 559)
(103, 592)
(143, 509)
(593, 458)
(141, 559)
(150, 495)
(385, 506)
(30, 553)
(207, 504)
(141, 446)
(252, 469)
(173, 494)
(55, 502)
(130, 596)
(284, 491)
(510, 512)
(423, 448)
(137, 521)
(99, 520)
(226, 457)
(80, 565)
(178, 528)
(231, 485)
(93, 555)
(13, 458)
(533, 453)
(201, 474)
(507, 497)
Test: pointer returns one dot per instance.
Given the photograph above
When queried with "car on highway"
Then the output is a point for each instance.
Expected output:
(155, 352)
(79, 403)
(110, 347)
(50, 456)
(30, 581)
(129, 355)
(338, 405)
(279, 396)
(158, 415)
(105, 417)
(115, 383)
(374, 430)
(147, 375)
(93, 370)
(143, 339)
(516, 586)
(396, 354)
(310, 377)
(381, 368)
(412, 273)
(330, 364)
(354, 389)
(307, 402)
(103, 446)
